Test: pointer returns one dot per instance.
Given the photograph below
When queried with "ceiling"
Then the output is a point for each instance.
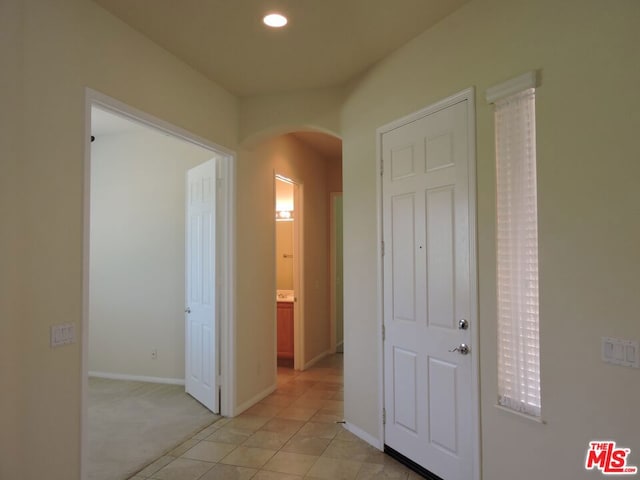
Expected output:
(326, 42)
(105, 123)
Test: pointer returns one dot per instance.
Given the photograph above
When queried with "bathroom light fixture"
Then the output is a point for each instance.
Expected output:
(284, 215)
(275, 20)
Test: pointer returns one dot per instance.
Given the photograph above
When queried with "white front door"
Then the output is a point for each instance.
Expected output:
(428, 266)
(200, 338)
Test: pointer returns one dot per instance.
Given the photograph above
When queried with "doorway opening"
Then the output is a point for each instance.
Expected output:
(289, 271)
(134, 276)
(306, 181)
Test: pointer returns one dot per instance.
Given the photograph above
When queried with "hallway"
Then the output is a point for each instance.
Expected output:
(291, 434)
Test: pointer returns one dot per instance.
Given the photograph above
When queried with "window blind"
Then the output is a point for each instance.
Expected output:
(517, 254)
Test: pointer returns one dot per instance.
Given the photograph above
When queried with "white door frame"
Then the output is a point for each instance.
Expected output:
(226, 252)
(469, 95)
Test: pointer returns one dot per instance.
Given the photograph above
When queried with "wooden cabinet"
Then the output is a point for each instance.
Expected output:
(285, 334)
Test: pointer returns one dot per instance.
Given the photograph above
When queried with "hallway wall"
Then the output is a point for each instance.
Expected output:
(12, 315)
(264, 116)
(284, 246)
(69, 45)
(256, 263)
(588, 115)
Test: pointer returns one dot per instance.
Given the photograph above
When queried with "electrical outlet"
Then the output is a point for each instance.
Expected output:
(154, 354)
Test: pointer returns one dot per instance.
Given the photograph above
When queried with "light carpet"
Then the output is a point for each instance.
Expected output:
(133, 423)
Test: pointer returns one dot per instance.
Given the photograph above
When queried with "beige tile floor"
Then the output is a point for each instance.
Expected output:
(291, 434)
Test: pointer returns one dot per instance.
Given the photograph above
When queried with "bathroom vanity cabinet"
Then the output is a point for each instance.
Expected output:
(285, 334)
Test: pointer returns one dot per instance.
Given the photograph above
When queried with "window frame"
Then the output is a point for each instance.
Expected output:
(518, 321)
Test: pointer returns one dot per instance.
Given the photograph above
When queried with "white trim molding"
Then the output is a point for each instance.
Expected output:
(315, 360)
(136, 378)
(361, 434)
(253, 400)
(515, 85)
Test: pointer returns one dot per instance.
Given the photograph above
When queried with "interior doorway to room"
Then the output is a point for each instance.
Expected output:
(307, 186)
(139, 282)
(289, 296)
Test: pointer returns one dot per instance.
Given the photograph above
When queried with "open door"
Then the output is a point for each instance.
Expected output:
(200, 313)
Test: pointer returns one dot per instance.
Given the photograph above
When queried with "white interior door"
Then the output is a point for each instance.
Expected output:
(429, 389)
(200, 337)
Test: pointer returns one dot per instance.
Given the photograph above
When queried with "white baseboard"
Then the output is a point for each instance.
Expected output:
(252, 401)
(315, 360)
(137, 378)
(370, 439)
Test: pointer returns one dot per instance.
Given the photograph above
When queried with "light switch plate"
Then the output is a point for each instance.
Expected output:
(63, 334)
(621, 352)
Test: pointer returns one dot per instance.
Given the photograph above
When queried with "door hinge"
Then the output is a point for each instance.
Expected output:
(382, 169)
(382, 247)
(384, 333)
(384, 416)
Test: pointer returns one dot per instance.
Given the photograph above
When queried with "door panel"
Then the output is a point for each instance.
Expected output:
(200, 348)
(426, 283)
(440, 257)
(442, 393)
(402, 162)
(403, 266)
(405, 371)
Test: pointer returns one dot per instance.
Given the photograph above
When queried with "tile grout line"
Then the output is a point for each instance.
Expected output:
(291, 388)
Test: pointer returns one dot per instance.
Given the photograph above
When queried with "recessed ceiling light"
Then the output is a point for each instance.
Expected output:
(275, 20)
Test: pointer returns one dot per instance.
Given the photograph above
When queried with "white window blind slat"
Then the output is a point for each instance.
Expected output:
(517, 254)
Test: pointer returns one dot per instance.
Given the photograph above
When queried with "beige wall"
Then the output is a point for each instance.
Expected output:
(284, 246)
(255, 321)
(284, 236)
(68, 45)
(588, 117)
(138, 253)
(11, 237)
(264, 116)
